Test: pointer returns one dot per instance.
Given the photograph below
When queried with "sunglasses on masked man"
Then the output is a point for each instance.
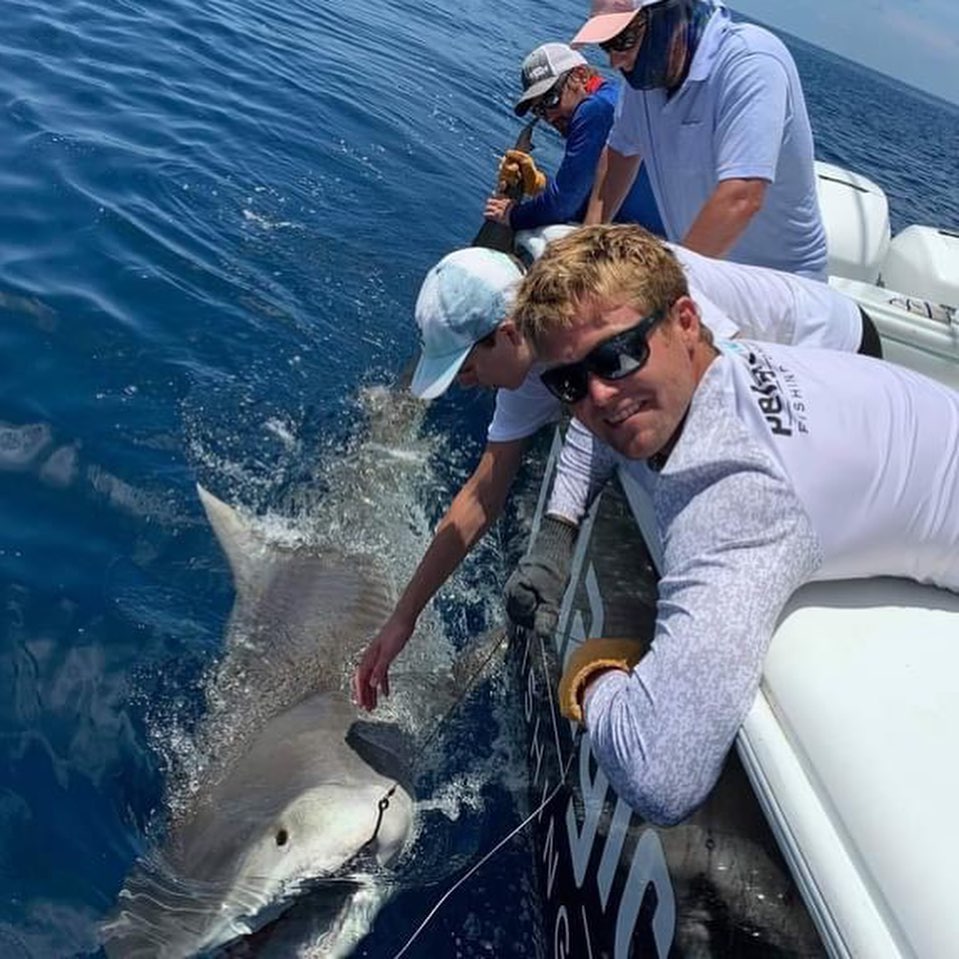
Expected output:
(626, 39)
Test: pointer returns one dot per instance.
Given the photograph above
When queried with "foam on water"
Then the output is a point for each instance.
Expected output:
(20, 446)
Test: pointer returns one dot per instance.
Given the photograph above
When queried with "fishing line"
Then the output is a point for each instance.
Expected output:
(468, 687)
(514, 832)
(384, 803)
(349, 871)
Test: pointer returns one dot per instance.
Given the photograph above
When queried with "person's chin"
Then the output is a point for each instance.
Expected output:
(514, 381)
(632, 439)
(633, 448)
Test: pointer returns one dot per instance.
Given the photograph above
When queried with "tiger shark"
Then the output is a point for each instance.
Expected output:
(296, 791)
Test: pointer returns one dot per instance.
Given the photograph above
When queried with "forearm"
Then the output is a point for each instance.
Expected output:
(458, 531)
(549, 207)
(567, 193)
(474, 509)
(585, 466)
(615, 174)
(661, 731)
(725, 216)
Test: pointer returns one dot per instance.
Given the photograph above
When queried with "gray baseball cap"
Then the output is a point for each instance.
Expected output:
(542, 68)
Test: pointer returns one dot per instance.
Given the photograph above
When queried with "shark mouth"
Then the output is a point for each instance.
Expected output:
(324, 913)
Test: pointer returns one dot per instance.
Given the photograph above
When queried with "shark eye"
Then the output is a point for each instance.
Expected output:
(282, 837)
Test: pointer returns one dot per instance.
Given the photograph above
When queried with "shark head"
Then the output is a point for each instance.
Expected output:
(241, 858)
(293, 798)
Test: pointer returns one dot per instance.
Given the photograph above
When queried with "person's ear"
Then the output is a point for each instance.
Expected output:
(578, 78)
(509, 330)
(686, 315)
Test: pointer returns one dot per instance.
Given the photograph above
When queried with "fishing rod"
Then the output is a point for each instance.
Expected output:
(496, 235)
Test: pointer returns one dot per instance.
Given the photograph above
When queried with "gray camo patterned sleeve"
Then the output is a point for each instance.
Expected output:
(585, 466)
(737, 543)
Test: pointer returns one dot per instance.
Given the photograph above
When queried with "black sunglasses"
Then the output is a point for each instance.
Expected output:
(612, 359)
(550, 99)
(626, 39)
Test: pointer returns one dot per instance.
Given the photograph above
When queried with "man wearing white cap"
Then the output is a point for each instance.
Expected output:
(716, 112)
(560, 87)
(463, 312)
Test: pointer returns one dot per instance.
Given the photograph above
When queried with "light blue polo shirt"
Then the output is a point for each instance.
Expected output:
(739, 113)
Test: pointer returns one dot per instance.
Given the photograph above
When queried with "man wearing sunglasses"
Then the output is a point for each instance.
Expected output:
(468, 337)
(561, 88)
(769, 466)
(715, 111)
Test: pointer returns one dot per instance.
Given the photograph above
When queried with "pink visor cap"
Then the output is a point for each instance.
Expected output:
(607, 18)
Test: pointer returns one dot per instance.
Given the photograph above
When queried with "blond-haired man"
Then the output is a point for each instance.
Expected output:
(768, 466)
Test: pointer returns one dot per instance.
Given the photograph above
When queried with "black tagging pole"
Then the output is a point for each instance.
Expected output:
(496, 235)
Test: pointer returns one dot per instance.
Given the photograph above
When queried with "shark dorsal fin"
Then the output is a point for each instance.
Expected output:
(237, 540)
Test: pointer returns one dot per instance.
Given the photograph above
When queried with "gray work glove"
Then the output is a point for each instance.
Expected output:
(535, 589)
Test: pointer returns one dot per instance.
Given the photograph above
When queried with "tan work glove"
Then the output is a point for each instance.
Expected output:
(592, 657)
(519, 167)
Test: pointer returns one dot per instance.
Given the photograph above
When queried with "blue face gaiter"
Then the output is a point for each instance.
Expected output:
(673, 31)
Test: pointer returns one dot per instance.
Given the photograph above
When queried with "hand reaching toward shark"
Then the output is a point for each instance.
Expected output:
(372, 674)
(473, 509)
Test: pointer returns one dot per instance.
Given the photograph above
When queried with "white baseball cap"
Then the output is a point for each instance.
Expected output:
(463, 299)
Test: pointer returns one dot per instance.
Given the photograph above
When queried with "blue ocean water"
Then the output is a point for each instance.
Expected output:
(215, 218)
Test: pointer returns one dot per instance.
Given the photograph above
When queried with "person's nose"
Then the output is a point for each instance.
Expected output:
(618, 59)
(600, 392)
(466, 378)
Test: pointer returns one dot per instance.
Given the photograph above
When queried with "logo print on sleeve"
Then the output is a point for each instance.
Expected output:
(777, 394)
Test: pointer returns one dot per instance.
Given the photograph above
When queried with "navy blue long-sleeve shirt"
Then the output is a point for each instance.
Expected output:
(567, 193)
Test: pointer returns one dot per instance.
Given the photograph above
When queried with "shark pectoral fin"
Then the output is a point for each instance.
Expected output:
(384, 747)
